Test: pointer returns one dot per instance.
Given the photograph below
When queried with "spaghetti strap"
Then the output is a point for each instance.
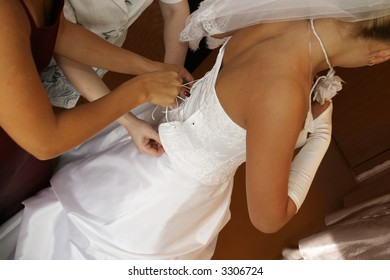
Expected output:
(325, 87)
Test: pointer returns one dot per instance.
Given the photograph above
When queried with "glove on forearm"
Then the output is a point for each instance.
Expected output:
(306, 162)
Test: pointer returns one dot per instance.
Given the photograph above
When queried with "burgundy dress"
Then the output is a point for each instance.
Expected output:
(21, 174)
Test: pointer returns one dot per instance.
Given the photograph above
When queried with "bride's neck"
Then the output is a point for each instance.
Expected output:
(343, 49)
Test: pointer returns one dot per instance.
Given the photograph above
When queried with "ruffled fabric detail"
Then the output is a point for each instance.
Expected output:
(221, 16)
(213, 43)
(202, 24)
(326, 87)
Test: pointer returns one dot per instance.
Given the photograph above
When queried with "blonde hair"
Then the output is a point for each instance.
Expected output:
(376, 29)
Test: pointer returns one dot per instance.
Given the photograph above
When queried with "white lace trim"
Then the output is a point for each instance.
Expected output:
(220, 16)
(202, 27)
(217, 144)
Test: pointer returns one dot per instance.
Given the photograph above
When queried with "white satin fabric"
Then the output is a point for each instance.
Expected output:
(108, 201)
(359, 232)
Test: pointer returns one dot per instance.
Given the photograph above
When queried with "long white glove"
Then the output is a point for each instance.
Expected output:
(306, 162)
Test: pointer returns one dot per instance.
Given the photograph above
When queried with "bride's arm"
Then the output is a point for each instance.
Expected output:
(277, 183)
(307, 161)
(273, 127)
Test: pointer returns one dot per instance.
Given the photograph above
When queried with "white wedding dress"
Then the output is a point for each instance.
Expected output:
(109, 201)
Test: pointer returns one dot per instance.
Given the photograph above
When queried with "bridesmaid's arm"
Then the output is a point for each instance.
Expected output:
(89, 49)
(174, 16)
(92, 87)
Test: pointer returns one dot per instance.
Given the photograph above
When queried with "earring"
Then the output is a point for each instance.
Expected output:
(370, 61)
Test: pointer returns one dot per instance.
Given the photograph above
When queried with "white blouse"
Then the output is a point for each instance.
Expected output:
(108, 19)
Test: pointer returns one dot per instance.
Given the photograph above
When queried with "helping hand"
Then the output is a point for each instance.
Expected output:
(145, 138)
(188, 79)
(160, 88)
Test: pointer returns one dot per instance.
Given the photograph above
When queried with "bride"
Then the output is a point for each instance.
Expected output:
(110, 201)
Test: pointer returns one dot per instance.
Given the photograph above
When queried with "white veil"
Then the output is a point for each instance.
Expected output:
(219, 16)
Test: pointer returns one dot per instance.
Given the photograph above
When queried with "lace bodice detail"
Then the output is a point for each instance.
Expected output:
(200, 138)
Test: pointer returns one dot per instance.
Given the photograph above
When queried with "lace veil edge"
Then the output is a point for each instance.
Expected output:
(220, 16)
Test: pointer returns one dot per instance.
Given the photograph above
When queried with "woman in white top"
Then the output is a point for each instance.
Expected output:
(110, 19)
(109, 201)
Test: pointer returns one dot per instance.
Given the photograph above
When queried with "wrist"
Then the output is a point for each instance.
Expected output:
(152, 66)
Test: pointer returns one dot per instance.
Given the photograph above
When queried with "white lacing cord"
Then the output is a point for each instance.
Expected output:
(166, 111)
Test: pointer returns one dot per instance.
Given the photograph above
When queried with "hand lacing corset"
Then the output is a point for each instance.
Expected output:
(180, 102)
